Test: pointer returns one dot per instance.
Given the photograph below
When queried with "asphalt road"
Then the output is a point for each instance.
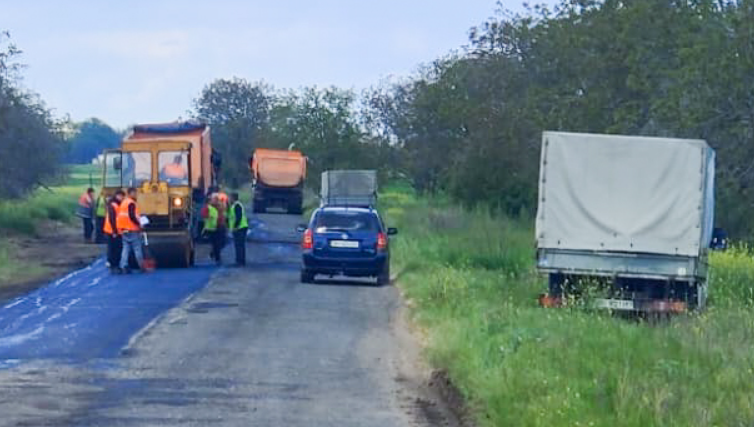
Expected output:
(212, 346)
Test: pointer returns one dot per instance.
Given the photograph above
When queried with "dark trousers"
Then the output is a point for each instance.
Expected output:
(217, 238)
(88, 228)
(239, 241)
(99, 234)
(114, 247)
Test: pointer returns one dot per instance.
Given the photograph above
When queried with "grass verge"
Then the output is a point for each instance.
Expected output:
(471, 281)
(23, 217)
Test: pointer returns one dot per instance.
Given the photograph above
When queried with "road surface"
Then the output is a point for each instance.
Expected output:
(212, 346)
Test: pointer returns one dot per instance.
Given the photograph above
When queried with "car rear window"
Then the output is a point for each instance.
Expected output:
(345, 221)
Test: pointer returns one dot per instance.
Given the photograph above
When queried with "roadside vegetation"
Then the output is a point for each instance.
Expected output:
(25, 217)
(470, 280)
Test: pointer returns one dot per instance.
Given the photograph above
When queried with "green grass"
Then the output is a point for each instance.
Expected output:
(471, 281)
(56, 203)
(23, 217)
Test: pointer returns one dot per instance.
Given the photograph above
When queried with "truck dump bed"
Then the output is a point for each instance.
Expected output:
(349, 188)
(198, 134)
(625, 194)
(279, 168)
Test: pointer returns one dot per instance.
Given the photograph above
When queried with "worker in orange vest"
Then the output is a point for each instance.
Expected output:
(174, 171)
(85, 211)
(129, 226)
(110, 229)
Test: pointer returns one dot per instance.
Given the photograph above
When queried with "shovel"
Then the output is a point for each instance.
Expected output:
(150, 264)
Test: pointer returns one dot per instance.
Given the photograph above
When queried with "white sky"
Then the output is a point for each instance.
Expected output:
(144, 61)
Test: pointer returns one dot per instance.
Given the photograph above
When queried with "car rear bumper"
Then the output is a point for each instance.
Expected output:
(359, 267)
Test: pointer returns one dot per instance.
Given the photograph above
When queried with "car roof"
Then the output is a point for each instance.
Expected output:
(347, 209)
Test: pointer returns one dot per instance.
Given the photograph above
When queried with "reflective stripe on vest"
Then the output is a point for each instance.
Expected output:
(232, 217)
(123, 222)
(210, 223)
(107, 228)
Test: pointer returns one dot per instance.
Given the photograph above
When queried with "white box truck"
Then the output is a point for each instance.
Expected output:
(631, 215)
(356, 188)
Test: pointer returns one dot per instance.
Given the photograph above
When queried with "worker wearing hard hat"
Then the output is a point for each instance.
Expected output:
(129, 226)
(239, 225)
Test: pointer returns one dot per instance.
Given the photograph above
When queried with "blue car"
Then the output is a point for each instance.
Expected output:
(351, 241)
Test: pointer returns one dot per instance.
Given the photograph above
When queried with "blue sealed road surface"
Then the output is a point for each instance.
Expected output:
(90, 313)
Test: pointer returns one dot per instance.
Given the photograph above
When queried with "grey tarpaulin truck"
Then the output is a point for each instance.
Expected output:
(356, 188)
(631, 215)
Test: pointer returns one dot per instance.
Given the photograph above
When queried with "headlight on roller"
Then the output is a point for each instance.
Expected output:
(177, 202)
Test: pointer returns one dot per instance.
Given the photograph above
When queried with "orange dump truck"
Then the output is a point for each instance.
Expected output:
(278, 178)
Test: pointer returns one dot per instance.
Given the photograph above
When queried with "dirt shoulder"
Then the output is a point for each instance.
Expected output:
(57, 249)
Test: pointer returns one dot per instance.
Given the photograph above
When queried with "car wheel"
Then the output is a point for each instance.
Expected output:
(384, 278)
(307, 276)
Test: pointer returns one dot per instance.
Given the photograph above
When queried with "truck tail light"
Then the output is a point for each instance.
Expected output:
(308, 242)
(381, 241)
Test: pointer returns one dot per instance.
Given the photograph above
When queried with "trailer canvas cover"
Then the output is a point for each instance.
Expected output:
(625, 194)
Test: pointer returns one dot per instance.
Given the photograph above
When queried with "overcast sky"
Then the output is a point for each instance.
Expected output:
(144, 61)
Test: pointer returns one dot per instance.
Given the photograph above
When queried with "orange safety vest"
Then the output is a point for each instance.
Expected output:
(107, 228)
(123, 222)
(85, 201)
(173, 170)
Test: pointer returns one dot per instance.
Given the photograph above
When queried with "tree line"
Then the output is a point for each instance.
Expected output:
(469, 124)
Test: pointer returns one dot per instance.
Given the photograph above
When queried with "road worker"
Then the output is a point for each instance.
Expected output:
(239, 225)
(215, 227)
(100, 211)
(222, 196)
(110, 229)
(129, 227)
(174, 171)
(85, 211)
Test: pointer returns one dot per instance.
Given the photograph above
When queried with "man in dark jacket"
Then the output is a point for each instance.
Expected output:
(239, 225)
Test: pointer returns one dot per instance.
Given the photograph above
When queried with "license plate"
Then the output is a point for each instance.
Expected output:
(351, 244)
(615, 304)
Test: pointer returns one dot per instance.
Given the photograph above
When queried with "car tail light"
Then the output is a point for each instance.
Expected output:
(308, 241)
(381, 241)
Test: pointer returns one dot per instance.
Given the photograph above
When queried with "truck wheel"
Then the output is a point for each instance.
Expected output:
(307, 276)
(259, 207)
(384, 278)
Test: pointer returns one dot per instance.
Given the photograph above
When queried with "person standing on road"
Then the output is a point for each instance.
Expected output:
(110, 228)
(130, 228)
(215, 227)
(239, 225)
(85, 212)
(100, 211)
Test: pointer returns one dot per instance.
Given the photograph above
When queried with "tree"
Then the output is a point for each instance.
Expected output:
(30, 140)
(89, 140)
(238, 112)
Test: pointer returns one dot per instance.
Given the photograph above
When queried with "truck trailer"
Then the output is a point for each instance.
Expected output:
(629, 217)
(278, 179)
(356, 188)
(172, 166)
